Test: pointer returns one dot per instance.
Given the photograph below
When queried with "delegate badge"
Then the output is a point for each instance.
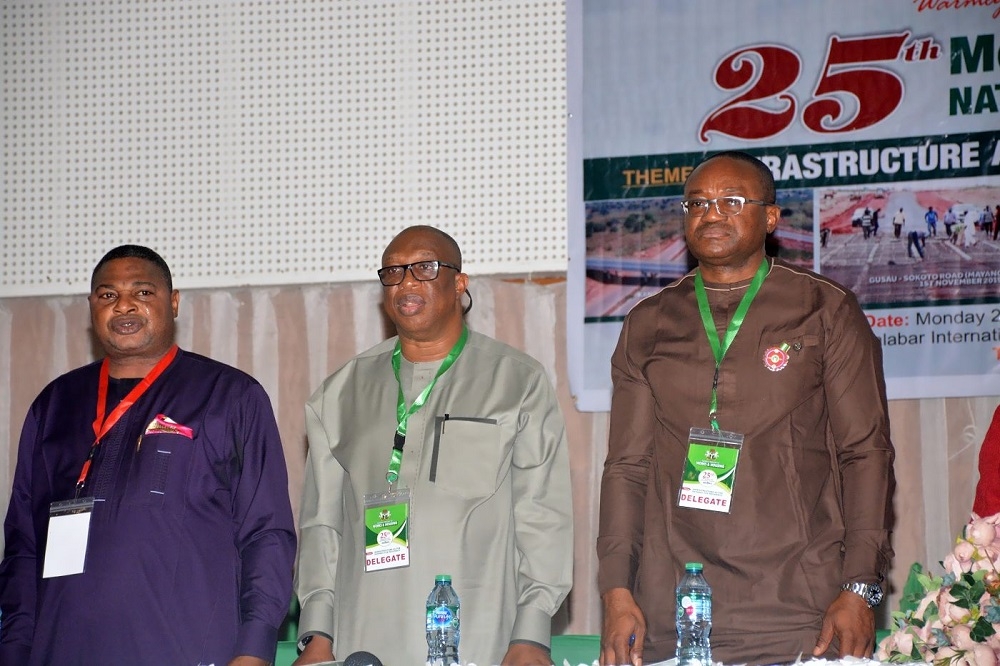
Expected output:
(710, 470)
(776, 358)
(387, 517)
(69, 532)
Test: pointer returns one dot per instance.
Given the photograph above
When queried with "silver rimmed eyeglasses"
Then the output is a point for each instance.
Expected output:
(727, 206)
(424, 271)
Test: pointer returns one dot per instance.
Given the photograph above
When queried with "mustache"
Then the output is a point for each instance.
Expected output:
(408, 299)
(711, 226)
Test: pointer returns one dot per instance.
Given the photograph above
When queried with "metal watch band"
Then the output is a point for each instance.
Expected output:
(870, 592)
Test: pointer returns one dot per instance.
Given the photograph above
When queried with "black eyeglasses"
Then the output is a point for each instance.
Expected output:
(727, 206)
(424, 271)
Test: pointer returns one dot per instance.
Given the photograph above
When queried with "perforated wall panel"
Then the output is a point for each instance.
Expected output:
(279, 142)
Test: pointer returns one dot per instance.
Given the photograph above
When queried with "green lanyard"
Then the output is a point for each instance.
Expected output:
(403, 414)
(719, 349)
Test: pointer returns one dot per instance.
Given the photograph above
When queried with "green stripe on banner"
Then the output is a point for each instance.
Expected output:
(845, 163)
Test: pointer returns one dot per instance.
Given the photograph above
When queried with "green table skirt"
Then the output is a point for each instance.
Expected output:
(572, 649)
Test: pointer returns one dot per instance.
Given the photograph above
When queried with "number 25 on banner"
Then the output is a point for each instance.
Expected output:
(848, 69)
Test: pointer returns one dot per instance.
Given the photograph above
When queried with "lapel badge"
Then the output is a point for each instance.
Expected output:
(776, 358)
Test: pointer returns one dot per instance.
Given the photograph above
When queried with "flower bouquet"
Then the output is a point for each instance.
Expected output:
(952, 620)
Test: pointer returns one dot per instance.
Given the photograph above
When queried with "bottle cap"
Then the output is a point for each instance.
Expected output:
(442, 578)
(693, 566)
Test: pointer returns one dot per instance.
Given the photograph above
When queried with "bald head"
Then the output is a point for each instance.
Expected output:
(764, 177)
(446, 247)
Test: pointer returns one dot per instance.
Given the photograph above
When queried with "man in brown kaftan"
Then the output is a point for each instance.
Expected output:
(797, 559)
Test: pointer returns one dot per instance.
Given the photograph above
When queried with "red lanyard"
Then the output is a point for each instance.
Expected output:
(102, 425)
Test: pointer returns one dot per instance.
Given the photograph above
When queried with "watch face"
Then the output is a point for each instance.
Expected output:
(871, 593)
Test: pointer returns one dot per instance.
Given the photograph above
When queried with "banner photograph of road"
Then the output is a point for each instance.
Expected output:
(912, 247)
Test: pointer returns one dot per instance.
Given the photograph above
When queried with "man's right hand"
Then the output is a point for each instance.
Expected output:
(318, 650)
(624, 629)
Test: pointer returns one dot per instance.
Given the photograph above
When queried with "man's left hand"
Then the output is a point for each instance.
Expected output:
(523, 654)
(244, 660)
(853, 624)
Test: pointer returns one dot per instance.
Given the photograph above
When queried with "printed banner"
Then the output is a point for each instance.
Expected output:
(878, 119)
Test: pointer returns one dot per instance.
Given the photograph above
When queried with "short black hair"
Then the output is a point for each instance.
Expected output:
(134, 252)
(763, 172)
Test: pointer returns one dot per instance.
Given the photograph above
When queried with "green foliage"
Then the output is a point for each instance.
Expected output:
(914, 589)
(982, 630)
(595, 228)
(635, 223)
(968, 590)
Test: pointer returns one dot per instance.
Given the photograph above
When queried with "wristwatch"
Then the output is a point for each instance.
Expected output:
(870, 592)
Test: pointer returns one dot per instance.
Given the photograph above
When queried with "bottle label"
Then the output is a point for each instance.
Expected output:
(442, 617)
(695, 607)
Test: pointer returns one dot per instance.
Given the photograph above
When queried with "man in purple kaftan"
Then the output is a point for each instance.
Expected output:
(191, 540)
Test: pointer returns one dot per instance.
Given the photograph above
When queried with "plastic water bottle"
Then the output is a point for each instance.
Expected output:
(443, 617)
(694, 618)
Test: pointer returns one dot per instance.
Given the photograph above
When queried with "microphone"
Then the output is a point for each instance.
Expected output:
(362, 659)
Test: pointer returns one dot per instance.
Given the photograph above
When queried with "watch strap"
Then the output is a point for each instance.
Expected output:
(870, 592)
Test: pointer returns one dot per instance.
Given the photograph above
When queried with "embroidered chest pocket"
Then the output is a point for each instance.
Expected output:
(466, 456)
(160, 468)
